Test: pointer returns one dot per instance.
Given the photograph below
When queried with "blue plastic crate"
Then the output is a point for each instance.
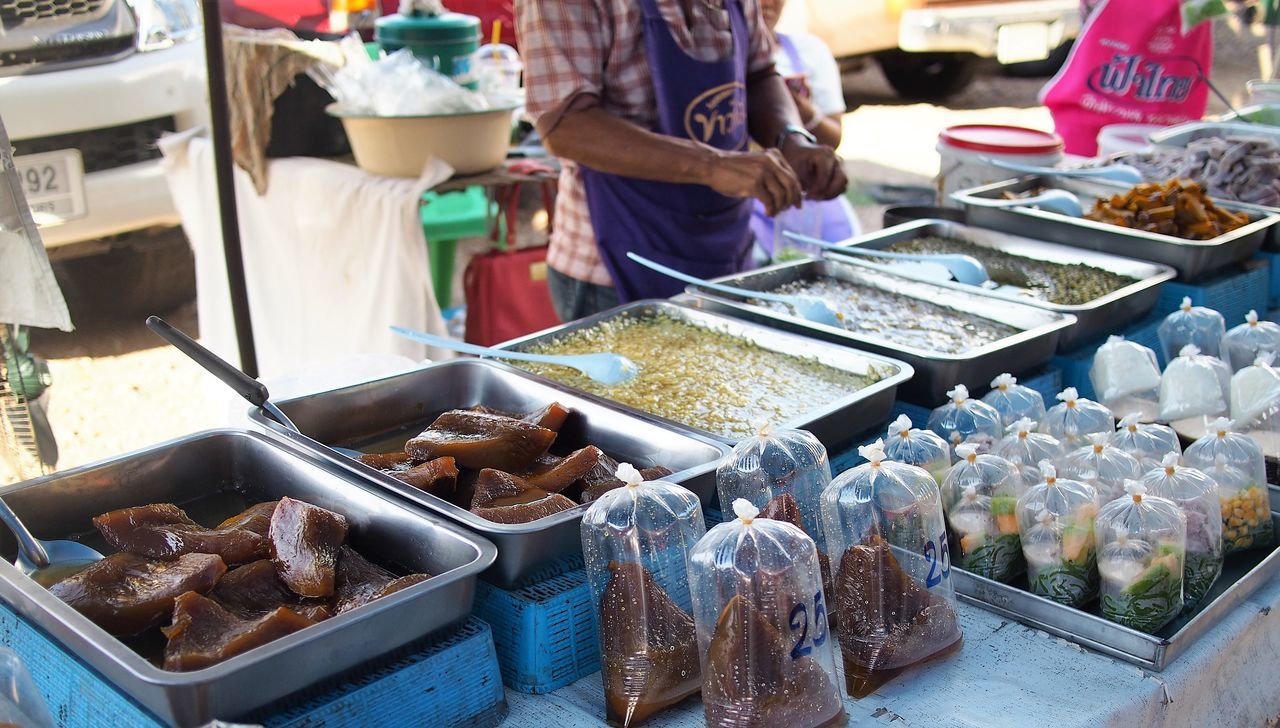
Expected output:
(1232, 294)
(1047, 381)
(1273, 277)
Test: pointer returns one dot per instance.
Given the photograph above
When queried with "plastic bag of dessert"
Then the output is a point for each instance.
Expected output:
(1149, 442)
(1024, 445)
(1197, 495)
(635, 541)
(962, 418)
(1055, 524)
(894, 602)
(1190, 325)
(1126, 377)
(1194, 385)
(1240, 450)
(1242, 344)
(763, 630)
(1141, 543)
(1102, 465)
(1254, 390)
(980, 495)
(1074, 418)
(1014, 401)
(1246, 510)
(923, 448)
(782, 472)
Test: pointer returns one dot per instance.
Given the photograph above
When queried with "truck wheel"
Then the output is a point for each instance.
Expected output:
(146, 272)
(927, 76)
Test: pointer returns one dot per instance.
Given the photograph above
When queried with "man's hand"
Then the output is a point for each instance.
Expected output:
(818, 168)
(762, 175)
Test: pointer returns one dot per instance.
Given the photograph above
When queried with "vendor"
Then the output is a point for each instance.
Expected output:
(650, 103)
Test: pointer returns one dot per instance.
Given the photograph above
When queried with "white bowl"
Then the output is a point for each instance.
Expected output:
(399, 146)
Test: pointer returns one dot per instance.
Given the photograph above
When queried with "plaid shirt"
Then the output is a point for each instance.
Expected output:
(580, 54)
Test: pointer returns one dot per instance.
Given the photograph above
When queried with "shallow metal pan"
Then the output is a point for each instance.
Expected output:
(213, 474)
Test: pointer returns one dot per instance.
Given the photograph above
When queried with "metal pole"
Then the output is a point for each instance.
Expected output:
(224, 173)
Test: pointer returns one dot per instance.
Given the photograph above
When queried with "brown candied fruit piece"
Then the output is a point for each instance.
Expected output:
(203, 634)
(360, 581)
(252, 590)
(304, 546)
(601, 479)
(126, 594)
(481, 440)
(551, 417)
(386, 460)
(255, 519)
(560, 473)
(164, 531)
(505, 498)
(438, 477)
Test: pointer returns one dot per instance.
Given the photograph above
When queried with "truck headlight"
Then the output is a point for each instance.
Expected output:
(164, 23)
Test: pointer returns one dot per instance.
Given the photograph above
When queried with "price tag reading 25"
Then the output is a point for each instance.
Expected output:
(935, 554)
(799, 622)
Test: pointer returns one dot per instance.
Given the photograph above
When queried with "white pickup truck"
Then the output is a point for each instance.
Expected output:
(928, 48)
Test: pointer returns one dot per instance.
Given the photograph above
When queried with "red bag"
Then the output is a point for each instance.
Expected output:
(507, 294)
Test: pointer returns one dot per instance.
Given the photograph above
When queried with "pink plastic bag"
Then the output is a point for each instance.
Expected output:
(1132, 64)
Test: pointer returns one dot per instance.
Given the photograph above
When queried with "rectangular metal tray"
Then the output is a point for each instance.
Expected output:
(1183, 134)
(379, 416)
(834, 424)
(1191, 258)
(189, 472)
(935, 373)
(1241, 575)
(1093, 319)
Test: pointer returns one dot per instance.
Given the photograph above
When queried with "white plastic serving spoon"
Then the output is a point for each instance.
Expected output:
(1059, 201)
(964, 268)
(606, 368)
(1123, 173)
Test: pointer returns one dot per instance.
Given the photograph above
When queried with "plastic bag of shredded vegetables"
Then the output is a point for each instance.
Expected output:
(1254, 390)
(1149, 442)
(980, 495)
(1102, 465)
(922, 448)
(1194, 385)
(1126, 378)
(961, 418)
(1142, 540)
(1190, 325)
(1074, 418)
(1024, 445)
(1246, 509)
(1197, 495)
(1055, 524)
(1242, 345)
(1014, 401)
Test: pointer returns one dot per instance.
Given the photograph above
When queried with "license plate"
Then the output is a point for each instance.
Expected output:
(1019, 42)
(53, 183)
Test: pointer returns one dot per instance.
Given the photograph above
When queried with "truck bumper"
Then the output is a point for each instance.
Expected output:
(1010, 32)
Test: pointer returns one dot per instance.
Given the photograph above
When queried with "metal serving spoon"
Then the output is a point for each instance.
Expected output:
(244, 385)
(1123, 173)
(46, 562)
(811, 308)
(964, 268)
(1059, 201)
(606, 368)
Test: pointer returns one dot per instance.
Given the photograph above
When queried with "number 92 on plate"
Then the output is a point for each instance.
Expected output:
(53, 183)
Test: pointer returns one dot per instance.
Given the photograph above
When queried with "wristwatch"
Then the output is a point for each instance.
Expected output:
(790, 129)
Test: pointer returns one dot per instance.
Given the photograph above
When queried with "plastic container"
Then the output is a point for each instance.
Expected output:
(1126, 377)
(1196, 495)
(1014, 401)
(1263, 91)
(444, 42)
(496, 68)
(894, 601)
(1149, 442)
(1246, 509)
(1074, 418)
(1194, 385)
(922, 448)
(1241, 451)
(399, 146)
(1117, 138)
(635, 543)
(1254, 390)
(20, 700)
(1242, 345)
(762, 624)
(1024, 445)
(963, 418)
(965, 148)
(1055, 523)
(1102, 465)
(1191, 325)
(1142, 541)
(980, 495)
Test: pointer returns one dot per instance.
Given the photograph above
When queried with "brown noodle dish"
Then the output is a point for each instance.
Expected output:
(701, 377)
(272, 570)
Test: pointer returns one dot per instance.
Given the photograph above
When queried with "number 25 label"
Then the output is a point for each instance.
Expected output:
(933, 554)
(799, 622)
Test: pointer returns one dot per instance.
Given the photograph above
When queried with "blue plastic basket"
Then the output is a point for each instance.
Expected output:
(1273, 277)
(1231, 294)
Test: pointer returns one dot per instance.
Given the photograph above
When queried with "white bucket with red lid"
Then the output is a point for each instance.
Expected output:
(964, 147)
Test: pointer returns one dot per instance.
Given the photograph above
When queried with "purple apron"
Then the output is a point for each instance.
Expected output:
(831, 216)
(691, 228)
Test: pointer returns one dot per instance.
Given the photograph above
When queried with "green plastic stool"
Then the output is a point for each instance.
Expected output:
(446, 219)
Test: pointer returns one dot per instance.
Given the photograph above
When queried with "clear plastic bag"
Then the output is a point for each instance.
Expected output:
(1148, 442)
(1254, 390)
(635, 542)
(923, 448)
(1240, 450)
(762, 625)
(1014, 401)
(1024, 445)
(1242, 345)
(980, 495)
(1194, 385)
(1102, 465)
(1246, 509)
(895, 605)
(1055, 524)
(1197, 495)
(1074, 418)
(783, 473)
(1126, 378)
(1142, 540)
(399, 84)
(1190, 325)
(963, 418)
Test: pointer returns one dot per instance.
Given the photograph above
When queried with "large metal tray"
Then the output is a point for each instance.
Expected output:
(935, 373)
(1093, 319)
(835, 424)
(213, 474)
(1183, 134)
(1191, 258)
(379, 416)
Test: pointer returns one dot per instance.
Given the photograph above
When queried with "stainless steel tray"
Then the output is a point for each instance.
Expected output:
(241, 468)
(1183, 134)
(1241, 575)
(1093, 319)
(834, 424)
(1191, 258)
(379, 416)
(935, 373)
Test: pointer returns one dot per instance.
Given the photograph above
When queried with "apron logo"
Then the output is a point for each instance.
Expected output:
(1160, 79)
(717, 114)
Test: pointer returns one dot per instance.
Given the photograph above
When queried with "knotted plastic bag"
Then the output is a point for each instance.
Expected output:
(1246, 509)
(1126, 377)
(1142, 540)
(1240, 450)
(1055, 524)
(1194, 385)
(1197, 495)
(1148, 442)
(962, 418)
(1024, 445)
(1254, 390)
(762, 625)
(1014, 401)
(1102, 465)
(894, 601)
(923, 448)
(1242, 345)
(981, 496)
(1074, 418)
(1190, 325)
(635, 542)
